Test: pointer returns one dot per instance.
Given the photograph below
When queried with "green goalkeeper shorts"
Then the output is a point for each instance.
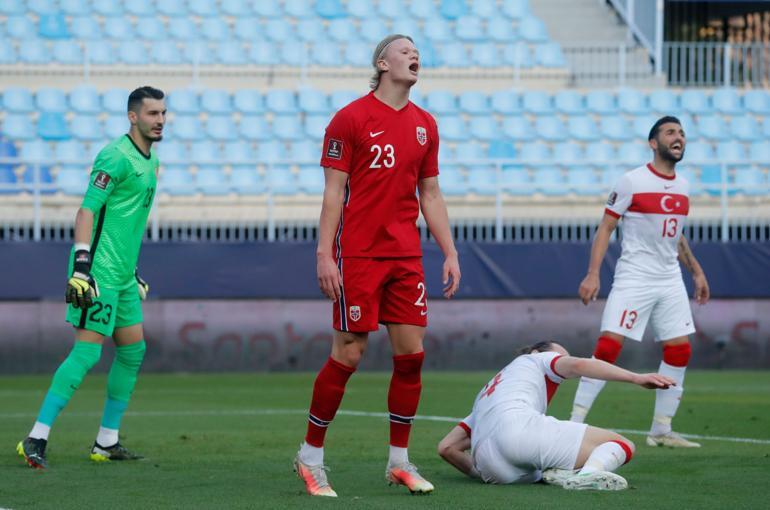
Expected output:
(112, 309)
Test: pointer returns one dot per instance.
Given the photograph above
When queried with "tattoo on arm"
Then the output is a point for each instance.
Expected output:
(685, 255)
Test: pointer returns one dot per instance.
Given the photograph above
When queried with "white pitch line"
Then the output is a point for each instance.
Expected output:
(366, 414)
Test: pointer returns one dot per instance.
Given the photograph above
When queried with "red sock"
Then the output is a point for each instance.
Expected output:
(328, 390)
(403, 396)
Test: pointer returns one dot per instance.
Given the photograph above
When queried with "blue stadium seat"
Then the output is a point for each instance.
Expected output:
(315, 126)
(691, 130)
(549, 180)
(446, 154)
(437, 30)
(183, 101)
(151, 29)
(731, 151)
(600, 101)
(429, 57)
(70, 151)
(500, 30)
(279, 30)
(535, 152)
(516, 9)
(341, 98)
(100, 52)
(205, 152)
(187, 128)
(568, 152)
(215, 29)
(310, 30)
(86, 127)
(373, 30)
(757, 101)
(533, 30)
(751, 181)
(357, 55)
(267, 8)
(583, 128)
(550, 128)
(313, 101)
(287, 127)
(34, 52)
(221, 128)
(407, 26)
(501, 149)
(468, 152)
(280, 180)
(616, 128)
(452, 181)
(18, 126)
(173, 8)
(254, 127)
(295, 54)
(164, 53)
(484, 128)
(12, 7)
(210, 180)
(311, 179)
(326, 54)
(423, 10)
(203, 8)
(172, 151)
(634, 154)
(7, 52)
(107, 7)
(482, 180)
(119, 28)
(246, 181)
(182, 29)
(361, 8)
(569, 102)
(72, 180)
(453, 128)
(485, 55)
(198, 52)
(35, 151)
(727, 101)
(53, 26)
(342, 30)
(745, 128)
(632, 101)
(176, 180)
(712, 127)
(600, 153)
(518, 56)
(664, 102)
(700, 152)
(51, 100)
(330, 9)
(18, 100)
(474, 103)
(536, 101)
(305, 152)
(612, 174)
(582, 180)
(52, 126)
(248, 101)
(113, 100)
(116, 125)
(216, 101)
(470, 29)
(696, 102)
(766, 127)
(518, 128)
(391, 8)
(19, 27)
(549, 55)
(143, 8)
(642, 125)
(264, 53)
(453, 9)
(67, 52)
(299, 8)
(281, 101)
(248, 28)
(231, 53)
(136, 54)
(515, 180)
(41, 7)
(486, 9)
(506, 102)
(240, 152)
(759, 151)
(711, 179)
(441, 102)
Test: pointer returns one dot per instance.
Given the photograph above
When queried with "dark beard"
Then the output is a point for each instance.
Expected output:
(665, 154)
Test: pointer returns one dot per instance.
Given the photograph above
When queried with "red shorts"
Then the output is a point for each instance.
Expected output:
(380, 290)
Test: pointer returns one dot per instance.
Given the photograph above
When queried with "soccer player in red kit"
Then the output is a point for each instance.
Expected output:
(378, 152)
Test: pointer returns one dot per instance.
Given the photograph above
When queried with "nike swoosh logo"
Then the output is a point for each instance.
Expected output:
(423, 312)
(372, 135)
(668, 187)
(138, 174)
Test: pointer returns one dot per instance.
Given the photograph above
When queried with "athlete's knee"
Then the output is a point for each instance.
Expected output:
(349, 348)
(131, 355)
(629, 448)
(608, 349)
(677, 354)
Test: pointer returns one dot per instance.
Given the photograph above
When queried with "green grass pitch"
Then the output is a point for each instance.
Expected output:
(210, 443)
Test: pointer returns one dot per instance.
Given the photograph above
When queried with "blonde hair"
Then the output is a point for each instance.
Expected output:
(379, 53)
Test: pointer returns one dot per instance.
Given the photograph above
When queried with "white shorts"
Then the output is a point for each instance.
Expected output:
(525, 443)
(629, 308)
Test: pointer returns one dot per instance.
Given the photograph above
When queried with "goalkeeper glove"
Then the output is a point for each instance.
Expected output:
(142, 286)
(81, 287)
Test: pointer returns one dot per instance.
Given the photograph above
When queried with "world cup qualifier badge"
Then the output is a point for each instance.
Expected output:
(422, 135)
(611, 199)
(334, 149)
(102, 180)
(355, 313)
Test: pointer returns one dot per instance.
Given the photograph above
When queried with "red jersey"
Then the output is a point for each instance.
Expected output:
(386, 152)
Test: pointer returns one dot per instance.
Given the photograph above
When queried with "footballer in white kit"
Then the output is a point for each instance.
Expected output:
(653, 202)
(512, 441)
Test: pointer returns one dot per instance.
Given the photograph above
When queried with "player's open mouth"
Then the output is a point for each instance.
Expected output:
(676, 147)
(414, 67)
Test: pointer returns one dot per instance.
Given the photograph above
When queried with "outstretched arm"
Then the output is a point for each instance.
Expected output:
(589, 287)
(688, 260)
(570, 367)
(454, 449)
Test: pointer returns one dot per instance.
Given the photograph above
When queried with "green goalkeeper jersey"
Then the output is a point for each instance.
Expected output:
(120, 193)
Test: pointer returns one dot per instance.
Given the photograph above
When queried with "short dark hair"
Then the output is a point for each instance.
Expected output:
(136, 97)
(543, 346)
(660, 122)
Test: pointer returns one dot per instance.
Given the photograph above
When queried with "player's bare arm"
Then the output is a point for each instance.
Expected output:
(589, 287)
(434, 210)
(84, 225)
(571, 367)
(689, 261)
(329, 278)
(454, 449)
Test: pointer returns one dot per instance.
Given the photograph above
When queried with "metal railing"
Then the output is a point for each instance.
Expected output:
(717, 64)
(644, 19)
(607, 64)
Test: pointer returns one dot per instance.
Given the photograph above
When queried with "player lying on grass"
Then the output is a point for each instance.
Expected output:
(508, 438)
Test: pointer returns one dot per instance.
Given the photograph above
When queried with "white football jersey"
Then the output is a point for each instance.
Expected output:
(654, 208)
(526, 384)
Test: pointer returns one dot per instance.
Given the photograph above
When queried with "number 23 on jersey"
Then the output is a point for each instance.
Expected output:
(383, 156)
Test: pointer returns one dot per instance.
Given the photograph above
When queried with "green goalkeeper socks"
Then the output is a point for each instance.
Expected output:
(121, 382)
(67, 379)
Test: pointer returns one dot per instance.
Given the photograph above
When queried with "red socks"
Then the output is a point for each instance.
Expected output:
(607, 349)
(404, 396)
(677, 355)
(328, 390)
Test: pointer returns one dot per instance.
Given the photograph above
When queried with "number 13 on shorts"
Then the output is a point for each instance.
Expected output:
(422, 301)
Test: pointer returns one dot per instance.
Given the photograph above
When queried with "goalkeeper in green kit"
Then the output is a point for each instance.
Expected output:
(104, 291)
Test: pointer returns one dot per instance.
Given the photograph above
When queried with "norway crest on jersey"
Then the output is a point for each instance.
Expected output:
(422, 135)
